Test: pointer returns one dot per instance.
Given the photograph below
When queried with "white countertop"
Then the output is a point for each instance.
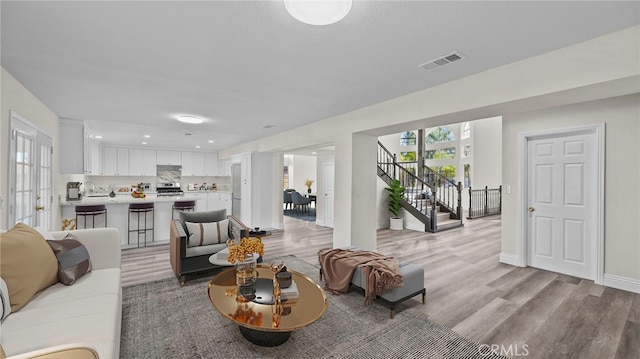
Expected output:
(128, 199)
(151, 197)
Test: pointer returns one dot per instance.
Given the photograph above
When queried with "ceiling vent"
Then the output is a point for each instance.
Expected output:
(442, 61)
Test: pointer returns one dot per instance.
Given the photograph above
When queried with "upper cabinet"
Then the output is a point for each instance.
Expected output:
(77, 148)
(168, 157)
(224, 167)
(193, 164)
(115, 161)
(142, 162)
(211, 164)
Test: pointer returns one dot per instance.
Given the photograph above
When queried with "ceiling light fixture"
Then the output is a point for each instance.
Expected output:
(147, 136)
(189, 119)
(144, 143)
(318, 12)
(210, 141)
(197, 146)
(98, 137)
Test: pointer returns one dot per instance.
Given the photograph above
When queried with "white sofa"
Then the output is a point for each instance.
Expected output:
(78, 321)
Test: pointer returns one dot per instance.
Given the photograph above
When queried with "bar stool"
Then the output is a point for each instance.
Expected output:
(186, 206)
(141, 210)
(90, 211)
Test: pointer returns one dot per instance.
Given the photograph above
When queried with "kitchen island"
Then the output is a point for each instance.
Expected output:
(118, 212)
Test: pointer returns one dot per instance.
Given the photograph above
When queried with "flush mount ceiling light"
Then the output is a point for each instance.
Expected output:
(189, 119)
(318, 12)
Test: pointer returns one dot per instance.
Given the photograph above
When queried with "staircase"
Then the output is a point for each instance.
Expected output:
(434, 199)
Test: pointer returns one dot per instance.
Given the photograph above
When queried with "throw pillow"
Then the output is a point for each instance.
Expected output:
(202, 234)
(5, 307)
(202, 217)
(73, 258)
(27, 264)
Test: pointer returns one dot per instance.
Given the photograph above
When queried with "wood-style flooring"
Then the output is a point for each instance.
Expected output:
(524, 312)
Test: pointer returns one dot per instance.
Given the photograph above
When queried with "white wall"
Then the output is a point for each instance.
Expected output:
(487, 153)
(15, 97)
(301, 169)
(621, 116)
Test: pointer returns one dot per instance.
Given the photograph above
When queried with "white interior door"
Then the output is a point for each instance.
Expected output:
(328, 175)
(562, 189)
(44, 182)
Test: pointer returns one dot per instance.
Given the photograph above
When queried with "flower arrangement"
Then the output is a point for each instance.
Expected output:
(308, 183)
(238, 252)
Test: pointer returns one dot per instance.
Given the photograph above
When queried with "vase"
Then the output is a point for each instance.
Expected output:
(246, 271)
(309, 190)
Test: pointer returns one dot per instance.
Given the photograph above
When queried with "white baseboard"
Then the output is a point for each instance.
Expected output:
(624, 283)
(511, 259)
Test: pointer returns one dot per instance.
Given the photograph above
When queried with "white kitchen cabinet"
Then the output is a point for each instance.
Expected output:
(142, 162)
(115, 161)
(224, 167)
(224, 201)
(168, 157)
(211, 164)
(192, 164)
(76, 148)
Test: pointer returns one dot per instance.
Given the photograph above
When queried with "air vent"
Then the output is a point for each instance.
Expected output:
(442, 61)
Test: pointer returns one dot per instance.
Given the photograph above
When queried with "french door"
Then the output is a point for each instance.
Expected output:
(30, 175)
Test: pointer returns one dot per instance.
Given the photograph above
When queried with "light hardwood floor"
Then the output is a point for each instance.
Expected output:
(524, 310)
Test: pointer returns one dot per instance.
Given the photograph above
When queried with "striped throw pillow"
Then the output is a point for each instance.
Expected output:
(203, 234)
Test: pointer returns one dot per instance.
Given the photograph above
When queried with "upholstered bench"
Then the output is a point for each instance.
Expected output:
(413, 285)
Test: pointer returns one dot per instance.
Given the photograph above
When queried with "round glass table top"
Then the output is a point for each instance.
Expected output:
(257, 310)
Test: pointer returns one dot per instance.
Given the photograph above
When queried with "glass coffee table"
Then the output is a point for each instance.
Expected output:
(260, 320)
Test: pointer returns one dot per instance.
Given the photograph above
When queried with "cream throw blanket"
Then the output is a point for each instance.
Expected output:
(382, 272)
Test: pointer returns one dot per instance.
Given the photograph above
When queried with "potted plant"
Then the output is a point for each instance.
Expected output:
(308, 184)
(396, 191)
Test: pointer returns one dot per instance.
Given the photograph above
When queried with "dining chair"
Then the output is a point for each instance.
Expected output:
(288, 202)
(299, 201)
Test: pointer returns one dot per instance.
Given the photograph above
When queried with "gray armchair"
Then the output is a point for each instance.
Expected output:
(299, 201)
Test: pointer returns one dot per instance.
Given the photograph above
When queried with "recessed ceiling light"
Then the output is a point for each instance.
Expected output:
(210, 141)
(147, 136)
(314, 153)
(189, 119)
(197, 146)
(98, 137)
(144, 143)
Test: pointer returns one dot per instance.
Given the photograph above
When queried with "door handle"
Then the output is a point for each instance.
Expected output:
(39, 208)
(531, 209)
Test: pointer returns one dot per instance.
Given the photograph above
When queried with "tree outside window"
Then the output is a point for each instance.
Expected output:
(467, 175)
(440, 154)
(409, 156)
(440, 134)
(408, 139)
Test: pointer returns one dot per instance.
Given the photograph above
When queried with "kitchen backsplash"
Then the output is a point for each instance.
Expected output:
(105, 183)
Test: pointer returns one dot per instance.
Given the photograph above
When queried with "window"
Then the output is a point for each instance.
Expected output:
(466, 131)
(286, 177)
(440, 154)
(467, 175)
(440, 134)
(448, 171)
(408, 156)
(466, 151)
(408, 138)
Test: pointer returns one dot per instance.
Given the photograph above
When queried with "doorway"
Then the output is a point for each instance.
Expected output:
(328, 177)
(30, 175)
(563, 189)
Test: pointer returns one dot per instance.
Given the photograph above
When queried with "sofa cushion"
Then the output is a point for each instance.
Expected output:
(202, 217)
(202, 250)
(73, 259)
(5, 304)
(27, 264)
(207, 233)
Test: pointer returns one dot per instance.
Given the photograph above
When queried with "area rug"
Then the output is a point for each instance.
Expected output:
(303, 215)
(163, 320)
